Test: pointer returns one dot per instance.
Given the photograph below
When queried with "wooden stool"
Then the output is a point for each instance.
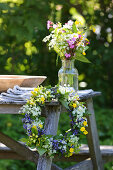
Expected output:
(52, 113)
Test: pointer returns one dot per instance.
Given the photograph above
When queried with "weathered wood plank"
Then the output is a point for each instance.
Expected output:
(19, 148)
(90, 95)
(51, 125)
(84, 165)
(6, 153)
(9, 108)
(106, 151)
(55, 167)
(92, 137)
(14, 107)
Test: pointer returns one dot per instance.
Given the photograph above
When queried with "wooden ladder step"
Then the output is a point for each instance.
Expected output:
(106, 151)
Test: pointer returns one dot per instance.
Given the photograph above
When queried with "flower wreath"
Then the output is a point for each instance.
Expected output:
(33, 122)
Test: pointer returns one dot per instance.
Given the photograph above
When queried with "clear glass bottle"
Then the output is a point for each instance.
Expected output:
(68, 75)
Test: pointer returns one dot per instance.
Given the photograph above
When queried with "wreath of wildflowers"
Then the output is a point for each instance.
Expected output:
(33, 122)
(69, 41)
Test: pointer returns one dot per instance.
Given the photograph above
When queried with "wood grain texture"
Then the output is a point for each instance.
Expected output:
(84, 165)
(14, 107)
(106, 151)
(19, 148)
(93, 141)
(51, 125)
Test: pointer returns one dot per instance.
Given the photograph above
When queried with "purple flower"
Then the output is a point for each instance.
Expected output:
(55, 144)
(74, 39)
(40, 132)
(72, 42)
(49, 24)
(72, 46)
(79, 36)
(68, 55)
(75, 132)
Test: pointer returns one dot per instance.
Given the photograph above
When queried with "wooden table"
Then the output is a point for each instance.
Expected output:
(52, 112)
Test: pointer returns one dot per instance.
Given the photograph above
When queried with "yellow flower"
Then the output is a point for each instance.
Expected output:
(72, 144)
(74, 105)
(79, 32)
(33, 93)
(34, 126)
(40, 125)
(42, 99)
(94, 29)
(34, 141)
(28, 101)
(70, 154)
(85, 132)
(79, 43)
(32, 103)
(86, 39)
(75, 36)
(85, 123)
(71, 150)
(33, 134)
(84, 53)
(82, 129)
(36, 89)
(90, 27)
(76, 22)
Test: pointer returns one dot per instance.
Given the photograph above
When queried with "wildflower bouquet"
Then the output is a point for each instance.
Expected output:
(68, 40)
(66, 144)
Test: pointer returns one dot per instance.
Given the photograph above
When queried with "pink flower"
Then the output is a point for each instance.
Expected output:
(49, 24)
(72, 46)
(68, 55)
(74, 39)
(71, 42)
(79, 36)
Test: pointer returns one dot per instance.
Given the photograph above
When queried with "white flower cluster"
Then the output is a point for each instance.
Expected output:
(30, 109)
(79, 111)
(73, 139)
(37, 123)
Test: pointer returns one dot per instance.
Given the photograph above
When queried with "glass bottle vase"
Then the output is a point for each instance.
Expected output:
(68, 75)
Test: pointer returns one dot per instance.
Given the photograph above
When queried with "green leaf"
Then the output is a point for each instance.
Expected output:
(82, 58)
(24, 140)
(74, 28)
(57, 59)
(86, 47)
(51, 29)
(41, 151)
(64, 103)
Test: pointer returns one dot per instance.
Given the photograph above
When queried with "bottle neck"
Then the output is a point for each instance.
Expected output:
(68, 63)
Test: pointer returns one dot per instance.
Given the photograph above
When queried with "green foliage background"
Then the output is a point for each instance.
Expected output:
(22, 28)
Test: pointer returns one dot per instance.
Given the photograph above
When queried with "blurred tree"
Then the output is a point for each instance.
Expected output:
(23, 26)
